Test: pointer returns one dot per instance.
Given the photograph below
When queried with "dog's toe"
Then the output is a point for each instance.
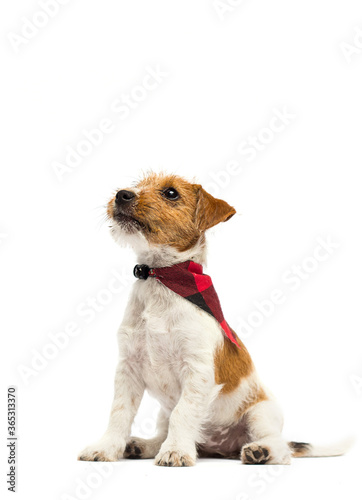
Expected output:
(174, 459)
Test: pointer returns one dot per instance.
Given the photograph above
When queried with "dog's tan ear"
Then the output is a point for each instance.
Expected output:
(209, 210)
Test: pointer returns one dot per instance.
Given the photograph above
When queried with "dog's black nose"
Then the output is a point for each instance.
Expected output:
(124, 196)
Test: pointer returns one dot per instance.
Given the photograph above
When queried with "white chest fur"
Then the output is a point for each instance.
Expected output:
(169, 338)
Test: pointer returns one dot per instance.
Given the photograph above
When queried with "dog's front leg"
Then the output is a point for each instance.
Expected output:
(128, 392)
(179, 448)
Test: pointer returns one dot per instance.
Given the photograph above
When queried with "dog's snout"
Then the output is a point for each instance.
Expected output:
(124, 196)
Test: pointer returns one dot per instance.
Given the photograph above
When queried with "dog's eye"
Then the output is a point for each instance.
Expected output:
(171, 193)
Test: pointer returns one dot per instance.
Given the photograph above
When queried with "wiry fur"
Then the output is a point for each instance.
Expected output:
(212, 402)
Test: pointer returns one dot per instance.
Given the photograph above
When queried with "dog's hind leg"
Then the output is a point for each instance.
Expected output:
(266, 444)
(148, 448)
(142, 448)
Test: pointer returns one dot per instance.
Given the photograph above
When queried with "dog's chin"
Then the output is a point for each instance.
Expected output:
(127, 231)
(127, 224)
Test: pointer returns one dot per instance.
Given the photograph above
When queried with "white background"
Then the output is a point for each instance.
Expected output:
(227, 74)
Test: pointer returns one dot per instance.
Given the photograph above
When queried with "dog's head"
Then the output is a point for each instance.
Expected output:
(166, 210)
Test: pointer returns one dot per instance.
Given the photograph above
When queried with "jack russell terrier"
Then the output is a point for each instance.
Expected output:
(175, 342)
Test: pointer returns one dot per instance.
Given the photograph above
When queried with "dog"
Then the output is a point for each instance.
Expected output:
(174, 342)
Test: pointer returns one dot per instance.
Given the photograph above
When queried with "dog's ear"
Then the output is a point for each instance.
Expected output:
(209, 210)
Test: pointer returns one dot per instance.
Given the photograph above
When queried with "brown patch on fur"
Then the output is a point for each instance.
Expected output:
(210, 211)
(299, 449)
(231, 364)
(164, 388)
(110, 207)
(169, 222)
(257, 397)
(117, 409)
(181, 222)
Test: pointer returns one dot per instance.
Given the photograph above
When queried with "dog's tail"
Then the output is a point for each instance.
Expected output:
(310, 450)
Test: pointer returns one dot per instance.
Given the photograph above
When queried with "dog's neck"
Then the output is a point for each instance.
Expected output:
(165, 256)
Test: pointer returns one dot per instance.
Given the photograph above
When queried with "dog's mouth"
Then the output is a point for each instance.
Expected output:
(128, 222)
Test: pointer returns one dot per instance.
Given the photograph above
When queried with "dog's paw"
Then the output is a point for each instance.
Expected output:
(133, 450)
(105, 450)
(255, 454)
(174, 459)
(142, 448)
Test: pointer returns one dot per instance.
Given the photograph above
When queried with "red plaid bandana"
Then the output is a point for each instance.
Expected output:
(188, 281)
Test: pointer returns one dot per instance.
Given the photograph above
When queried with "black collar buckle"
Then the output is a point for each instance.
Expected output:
(142, 272)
